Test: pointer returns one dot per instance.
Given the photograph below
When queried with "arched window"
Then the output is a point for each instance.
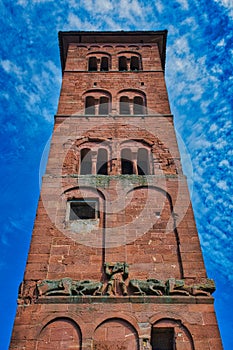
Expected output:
(122, 63)
(134, 63)
(104, 64)
(86, 161)
(90, 105)
(102, 162)
(103, 105)
(92, 64)
(124, 105)
(143, 162)
(138, 105)
(126, 161)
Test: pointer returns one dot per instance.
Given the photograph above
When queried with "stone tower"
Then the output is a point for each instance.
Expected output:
(115, 261)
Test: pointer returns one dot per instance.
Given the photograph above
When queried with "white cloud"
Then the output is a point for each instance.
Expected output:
(103, 6)
(5, 95)
(25, 3)
(184, 4)
(10, 67)
(222, 185)
(182, 46)
(217, 69)
(131, 10)
(75, 23)
(220, 144)
(213, 127)
(221, 43)
(88, 5)
(192, 23)
(224, 162)
(159, 6)
(97, 6)
(227, 4)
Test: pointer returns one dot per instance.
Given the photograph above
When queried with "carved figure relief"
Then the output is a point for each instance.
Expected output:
(69, 287)
(147, 287)
(117, 273)
(178, 287)
(171, 287)
(26, 292)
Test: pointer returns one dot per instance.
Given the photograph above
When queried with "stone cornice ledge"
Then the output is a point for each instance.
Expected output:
(111, 116)
(125, 299)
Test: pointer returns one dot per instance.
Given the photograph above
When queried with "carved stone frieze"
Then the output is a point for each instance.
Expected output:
(69, 287)
(117, 274)
(172, 287)
(180, 287)
(147, 287)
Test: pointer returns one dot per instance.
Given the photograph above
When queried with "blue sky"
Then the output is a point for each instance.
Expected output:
(199, 79)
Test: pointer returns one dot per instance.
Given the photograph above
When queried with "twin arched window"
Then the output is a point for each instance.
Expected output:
(135, 165)
(95, 64)
(100, 105)
(132, 63)
(87, 162)
(135, 106)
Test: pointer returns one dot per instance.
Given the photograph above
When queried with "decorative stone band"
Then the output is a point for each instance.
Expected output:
(34, 290)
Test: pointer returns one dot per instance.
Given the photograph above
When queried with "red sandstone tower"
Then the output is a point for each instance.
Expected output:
(115, 260)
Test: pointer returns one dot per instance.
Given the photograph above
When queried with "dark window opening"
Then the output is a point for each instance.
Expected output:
(138, 107)
(104, 105)
(86, 161)
(104, 66)
(102, 162)
(83, 209)
(92, 64)
(122, 64)
(134, 63)
(124, 105)
(143, 162)
(126, 162)
(163, 339)
(90, 105)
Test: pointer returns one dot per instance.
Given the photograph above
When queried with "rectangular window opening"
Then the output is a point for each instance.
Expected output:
(163, 338)
(83, 209)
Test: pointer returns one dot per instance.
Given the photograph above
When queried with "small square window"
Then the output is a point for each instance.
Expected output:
(83, 209)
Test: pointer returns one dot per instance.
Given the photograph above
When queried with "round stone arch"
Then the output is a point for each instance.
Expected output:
(171, 333)
(96, 102)
(154, 205)
(59, 333)
(72, 159)
(115, 333)
(88, 198)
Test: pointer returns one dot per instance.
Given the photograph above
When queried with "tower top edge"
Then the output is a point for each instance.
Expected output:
(115, 37)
